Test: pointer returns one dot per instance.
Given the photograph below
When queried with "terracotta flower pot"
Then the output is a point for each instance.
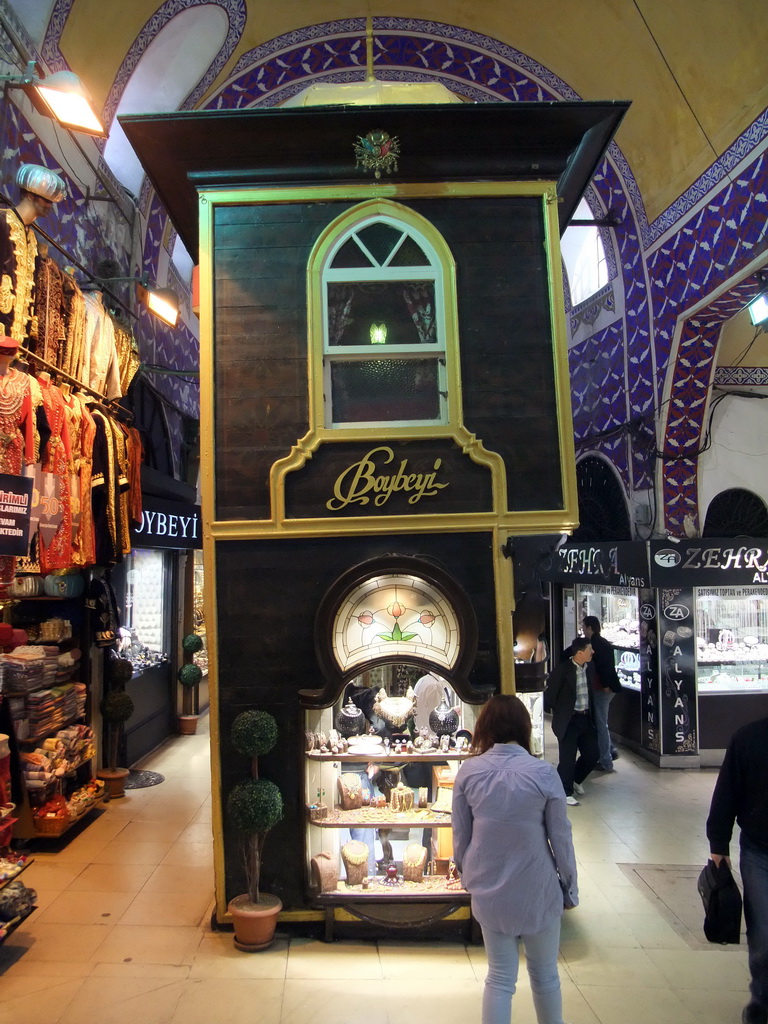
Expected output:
(114, 780)
(254, 923)
(187, 724)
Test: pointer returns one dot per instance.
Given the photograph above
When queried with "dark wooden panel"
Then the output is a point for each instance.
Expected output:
(268, 594)
(462, 486)
(720, 715)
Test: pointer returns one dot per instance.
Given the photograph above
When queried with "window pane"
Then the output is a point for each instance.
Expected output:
(406, 309)
(410, 254)
(385, 389)
(350, 255)
(380, 240)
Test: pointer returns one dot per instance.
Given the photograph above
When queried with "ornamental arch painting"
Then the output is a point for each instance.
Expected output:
(394, 610)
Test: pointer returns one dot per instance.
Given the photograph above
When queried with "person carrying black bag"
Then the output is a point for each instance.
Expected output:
(741, 794)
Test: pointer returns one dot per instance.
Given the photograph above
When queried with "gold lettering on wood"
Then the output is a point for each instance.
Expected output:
(362, 482)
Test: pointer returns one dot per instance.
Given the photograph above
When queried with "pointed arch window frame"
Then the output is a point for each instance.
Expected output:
(440, 268)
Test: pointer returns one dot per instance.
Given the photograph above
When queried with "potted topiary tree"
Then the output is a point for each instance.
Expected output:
(189, 675)
(116, 708)
(254, 806)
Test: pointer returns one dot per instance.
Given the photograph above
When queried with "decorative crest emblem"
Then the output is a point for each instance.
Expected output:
(377, 152)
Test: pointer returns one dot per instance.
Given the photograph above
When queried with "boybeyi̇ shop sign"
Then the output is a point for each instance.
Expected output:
(168, 524)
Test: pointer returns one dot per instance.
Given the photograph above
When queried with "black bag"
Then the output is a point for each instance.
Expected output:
(722, 903)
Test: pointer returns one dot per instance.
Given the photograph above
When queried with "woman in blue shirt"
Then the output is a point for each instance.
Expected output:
(512, 846)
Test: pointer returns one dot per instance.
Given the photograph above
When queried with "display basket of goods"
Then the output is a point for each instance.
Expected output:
(53, 817)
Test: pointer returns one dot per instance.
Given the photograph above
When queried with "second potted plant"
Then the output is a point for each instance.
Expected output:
(116, 708)
(254, 806)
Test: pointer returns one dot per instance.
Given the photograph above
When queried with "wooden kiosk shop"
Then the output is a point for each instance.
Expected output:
(384, 405)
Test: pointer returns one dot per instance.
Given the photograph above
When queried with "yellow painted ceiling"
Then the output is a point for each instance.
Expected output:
(695, 70)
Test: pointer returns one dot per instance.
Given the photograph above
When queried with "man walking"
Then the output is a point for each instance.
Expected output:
(606, 685)
(741, 794)
(569, 696)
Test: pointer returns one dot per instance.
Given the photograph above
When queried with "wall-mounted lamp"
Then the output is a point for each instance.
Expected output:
(161, 302)
(61, 96)
(758, 309)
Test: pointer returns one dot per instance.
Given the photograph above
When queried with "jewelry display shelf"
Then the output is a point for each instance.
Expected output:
(384, 817)
(381, 758)
(432, 887)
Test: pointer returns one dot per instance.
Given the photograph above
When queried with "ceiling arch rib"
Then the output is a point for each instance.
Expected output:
(168, 69)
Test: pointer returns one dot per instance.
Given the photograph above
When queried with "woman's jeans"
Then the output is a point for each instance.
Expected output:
(503, 961)
(602, 702)
(753, 865)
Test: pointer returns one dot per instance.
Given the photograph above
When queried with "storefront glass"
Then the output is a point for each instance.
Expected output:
(732, 639)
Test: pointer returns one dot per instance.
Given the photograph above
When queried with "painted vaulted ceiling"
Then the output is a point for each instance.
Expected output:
(696, 71)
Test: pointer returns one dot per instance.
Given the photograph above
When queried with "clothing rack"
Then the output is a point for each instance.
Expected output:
(110, 404)
(75, 263)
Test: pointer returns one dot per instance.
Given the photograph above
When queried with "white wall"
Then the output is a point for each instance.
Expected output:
(738, 456)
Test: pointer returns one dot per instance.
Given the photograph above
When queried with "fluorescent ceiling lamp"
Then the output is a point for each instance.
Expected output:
(63, 97)
(758, 309)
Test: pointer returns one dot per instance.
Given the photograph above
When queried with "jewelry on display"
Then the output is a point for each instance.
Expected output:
(350, 791)
(414, 859)
(354, 854)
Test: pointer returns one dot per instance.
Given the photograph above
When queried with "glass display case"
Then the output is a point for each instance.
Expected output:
(144, 634)
(379, 771)
(618, 609)
(732, 639)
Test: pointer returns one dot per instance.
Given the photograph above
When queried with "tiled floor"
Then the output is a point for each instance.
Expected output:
(122, 932)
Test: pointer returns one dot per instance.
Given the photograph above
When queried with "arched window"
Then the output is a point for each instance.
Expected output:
(603, 511)
(387, 300)
(584, 257)
(736, 513)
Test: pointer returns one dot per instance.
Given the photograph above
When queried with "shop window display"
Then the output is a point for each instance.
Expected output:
(732, 639)
(143, 639)
(617, 608)
(378, 787)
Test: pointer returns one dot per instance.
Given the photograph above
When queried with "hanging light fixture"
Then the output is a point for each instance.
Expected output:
(61, 96)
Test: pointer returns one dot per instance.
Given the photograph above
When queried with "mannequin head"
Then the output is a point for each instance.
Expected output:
(40, 189)
(9, 349)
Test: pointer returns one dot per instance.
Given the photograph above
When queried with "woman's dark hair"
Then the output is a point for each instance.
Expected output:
(503, 719)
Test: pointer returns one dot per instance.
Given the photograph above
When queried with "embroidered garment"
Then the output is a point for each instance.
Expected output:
(82, 431)
(100, 365)
(17, 437)
(18, 253)
(72, 354)
(50, 311)
(108, 483)
(55, 529)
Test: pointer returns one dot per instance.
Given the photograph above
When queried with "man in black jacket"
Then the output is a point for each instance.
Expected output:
(606, 685)
(741, 794)
(569, 696)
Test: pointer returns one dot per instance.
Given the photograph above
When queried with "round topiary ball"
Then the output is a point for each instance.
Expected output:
(254, 733)
(254, 806)
(120, 671)
(190, 675)
(116, 707)
(192, 643)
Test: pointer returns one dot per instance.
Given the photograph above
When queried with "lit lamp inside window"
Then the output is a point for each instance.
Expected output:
(378, 334)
